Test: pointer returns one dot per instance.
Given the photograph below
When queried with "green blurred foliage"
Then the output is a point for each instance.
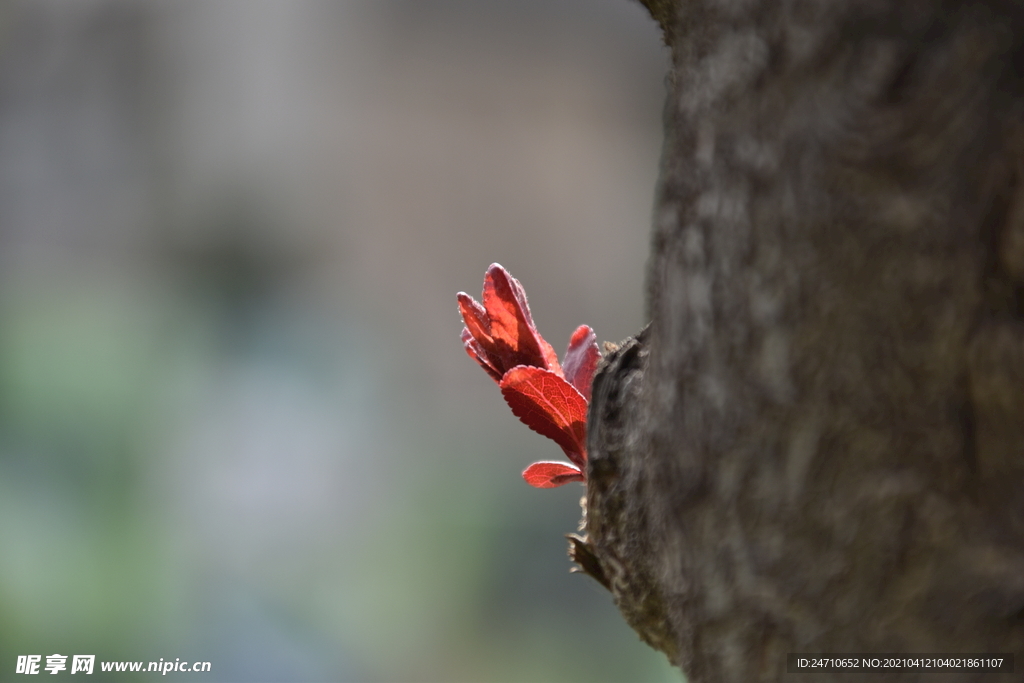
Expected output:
(236, 421)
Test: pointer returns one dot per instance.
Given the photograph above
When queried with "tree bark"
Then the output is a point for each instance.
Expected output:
(818, 443)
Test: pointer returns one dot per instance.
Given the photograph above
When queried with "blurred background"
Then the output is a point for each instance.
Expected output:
(236, 420)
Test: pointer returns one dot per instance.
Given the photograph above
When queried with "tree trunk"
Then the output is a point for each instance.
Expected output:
(818, 443)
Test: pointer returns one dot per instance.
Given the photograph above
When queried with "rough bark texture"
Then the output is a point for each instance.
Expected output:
(818, 444)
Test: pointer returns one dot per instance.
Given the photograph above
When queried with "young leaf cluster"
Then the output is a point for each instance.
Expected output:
(548, 397)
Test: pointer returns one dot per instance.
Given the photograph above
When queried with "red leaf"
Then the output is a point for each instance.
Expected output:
(581, 359)
(474, 315)
(477, 353)
(503, 327)
(548, 475)
(550, 406)
(511, 321)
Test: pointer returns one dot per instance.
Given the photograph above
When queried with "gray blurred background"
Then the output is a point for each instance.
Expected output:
(236, 420)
